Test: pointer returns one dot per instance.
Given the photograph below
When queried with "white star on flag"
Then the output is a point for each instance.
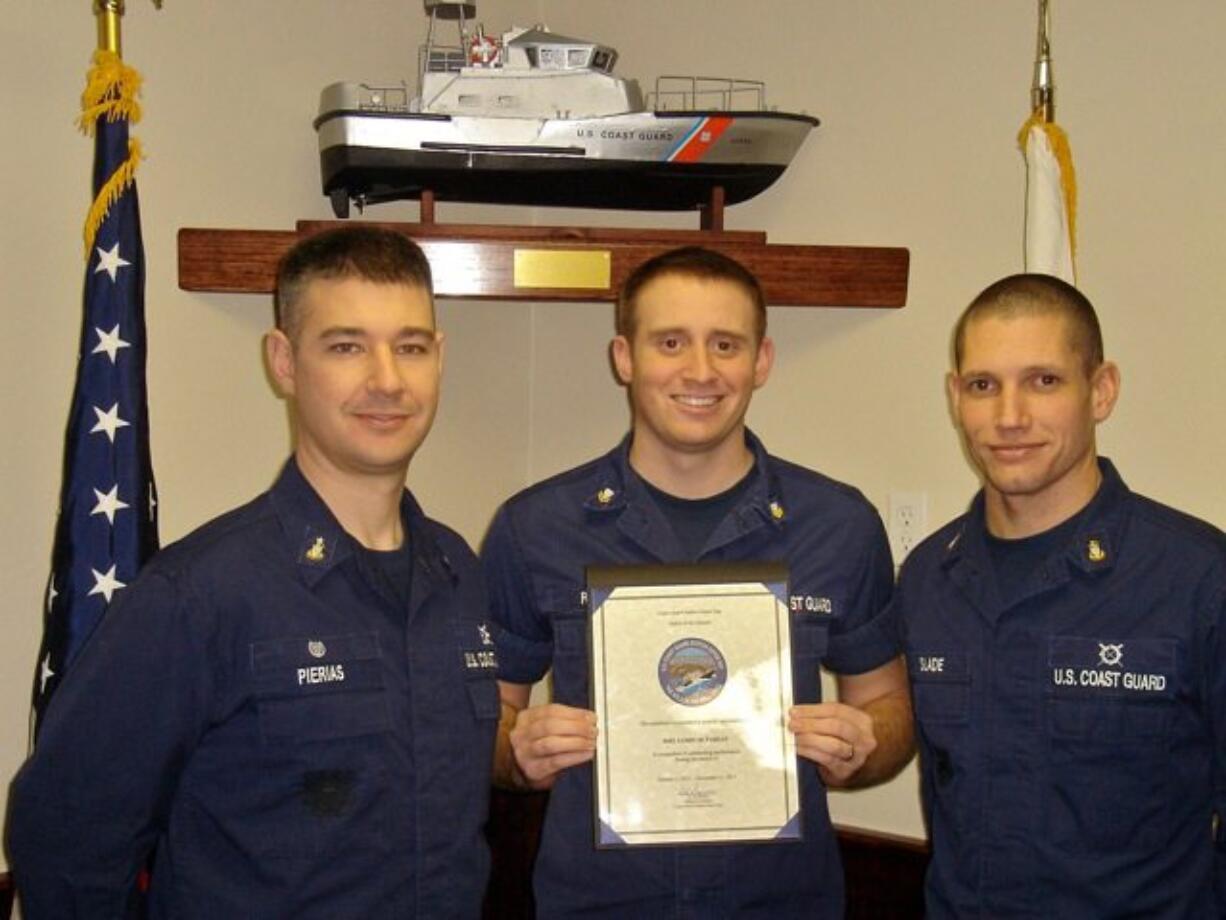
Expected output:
(45, 674)
(109, 503)
(109, 343)
(106, 584)
(108, 422)
(52, 594)
(110, 261)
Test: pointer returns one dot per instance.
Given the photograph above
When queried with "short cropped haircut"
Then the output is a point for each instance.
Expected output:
(690, 262)
(1037, 295)
(360, 251)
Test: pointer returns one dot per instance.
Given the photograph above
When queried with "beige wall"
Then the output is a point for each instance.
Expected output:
(919, 104)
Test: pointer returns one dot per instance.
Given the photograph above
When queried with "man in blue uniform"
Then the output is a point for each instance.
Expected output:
(1066, 643)
(293, 709)
(691, 483)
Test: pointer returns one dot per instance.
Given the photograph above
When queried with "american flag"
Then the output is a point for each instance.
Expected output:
(107, 524)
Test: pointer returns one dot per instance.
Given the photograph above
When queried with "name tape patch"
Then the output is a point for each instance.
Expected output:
(1123, 667)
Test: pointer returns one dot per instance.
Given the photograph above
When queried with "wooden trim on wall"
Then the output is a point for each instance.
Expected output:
(884, 874)
(477, 262)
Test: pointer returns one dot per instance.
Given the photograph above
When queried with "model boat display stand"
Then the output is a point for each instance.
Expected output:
(584, 264)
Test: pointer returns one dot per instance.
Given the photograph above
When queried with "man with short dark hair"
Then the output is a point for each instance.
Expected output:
(293, 708)
(1066, 644)
(691, 483)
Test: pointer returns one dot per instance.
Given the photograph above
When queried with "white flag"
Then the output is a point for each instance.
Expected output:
(1050, 200)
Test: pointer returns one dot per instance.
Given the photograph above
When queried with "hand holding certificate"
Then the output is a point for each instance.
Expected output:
(692, 682)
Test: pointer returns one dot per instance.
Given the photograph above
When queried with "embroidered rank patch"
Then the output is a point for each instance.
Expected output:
(317, 552)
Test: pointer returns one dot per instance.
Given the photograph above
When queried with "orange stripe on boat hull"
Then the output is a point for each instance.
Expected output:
(703, 140)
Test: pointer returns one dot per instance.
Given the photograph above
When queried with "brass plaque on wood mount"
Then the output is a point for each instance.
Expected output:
(586, 269)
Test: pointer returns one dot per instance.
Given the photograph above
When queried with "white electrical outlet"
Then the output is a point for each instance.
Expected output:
(907, 524)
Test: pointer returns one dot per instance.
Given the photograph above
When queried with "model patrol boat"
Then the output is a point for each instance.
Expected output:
(533, 117)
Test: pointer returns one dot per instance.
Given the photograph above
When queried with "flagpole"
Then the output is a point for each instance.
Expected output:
(1043, 89)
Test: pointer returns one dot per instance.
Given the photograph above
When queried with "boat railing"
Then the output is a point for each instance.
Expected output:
(676, 92)
(386, 98)
(440, 59)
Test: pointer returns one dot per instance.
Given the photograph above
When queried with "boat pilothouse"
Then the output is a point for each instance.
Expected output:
(527, 73)
(534, 117)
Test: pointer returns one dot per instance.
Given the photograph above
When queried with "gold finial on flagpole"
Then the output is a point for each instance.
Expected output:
(109, 14)
(1043, 90)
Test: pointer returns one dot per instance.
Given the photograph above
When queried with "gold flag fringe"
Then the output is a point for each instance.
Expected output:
(1064, 157)
(111, 91)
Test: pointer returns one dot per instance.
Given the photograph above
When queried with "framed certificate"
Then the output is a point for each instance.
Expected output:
(691, 685)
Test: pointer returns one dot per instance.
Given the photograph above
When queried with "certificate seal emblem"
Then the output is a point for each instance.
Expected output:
(692, 672)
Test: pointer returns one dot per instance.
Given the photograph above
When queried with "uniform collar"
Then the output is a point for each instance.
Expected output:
(617, 489)
(317, 541)
(1092, 547)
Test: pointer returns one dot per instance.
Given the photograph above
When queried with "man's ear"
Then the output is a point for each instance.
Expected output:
(623, 360)
(763, 361)
(1104, 390)
(279, 353)
(953, 390)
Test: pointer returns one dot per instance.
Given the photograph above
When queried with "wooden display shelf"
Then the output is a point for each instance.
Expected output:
(478, 261)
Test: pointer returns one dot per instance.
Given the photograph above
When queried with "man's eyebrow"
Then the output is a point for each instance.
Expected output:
(413, 332)
(1025, 371)
(405, 332)
(683, 331)
(336, 332)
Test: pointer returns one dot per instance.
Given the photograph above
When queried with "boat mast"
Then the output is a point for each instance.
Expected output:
(460, 10)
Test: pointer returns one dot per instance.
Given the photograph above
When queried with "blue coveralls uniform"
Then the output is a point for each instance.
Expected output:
(841, 578)
(1073, 742)
(290, 738)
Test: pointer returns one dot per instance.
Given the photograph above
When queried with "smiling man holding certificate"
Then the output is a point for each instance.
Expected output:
(684, 589)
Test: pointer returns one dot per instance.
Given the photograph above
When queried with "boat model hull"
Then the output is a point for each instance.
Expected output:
(658, 161)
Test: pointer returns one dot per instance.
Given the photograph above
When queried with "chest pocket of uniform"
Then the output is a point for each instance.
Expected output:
(319, 688)
(941, 682)
(810, 638)
(1110, 714)
(570, 658)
